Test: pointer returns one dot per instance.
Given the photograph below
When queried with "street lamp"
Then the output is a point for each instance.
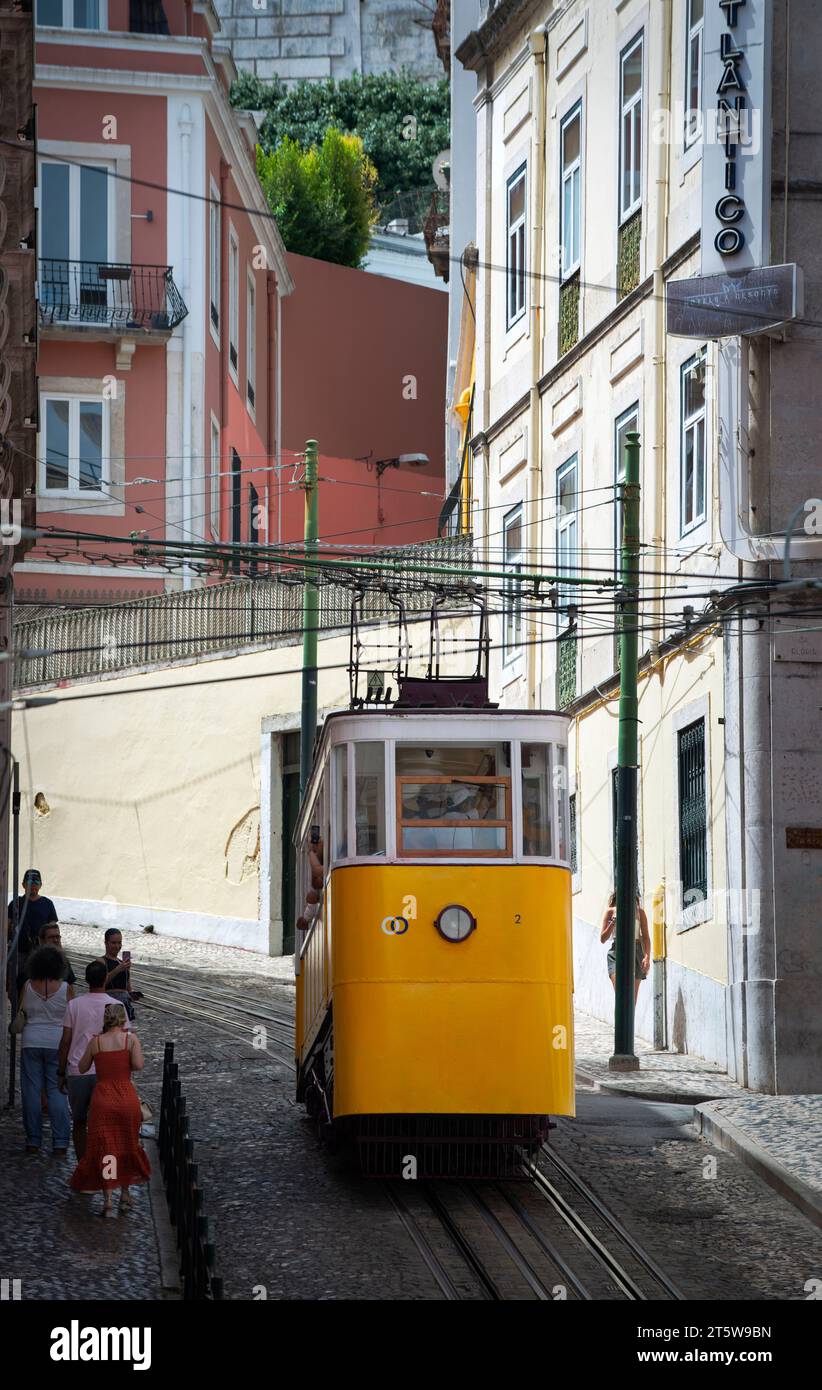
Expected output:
(401, 460)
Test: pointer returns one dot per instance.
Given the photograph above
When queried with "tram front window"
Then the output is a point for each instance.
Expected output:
(369, 797)
(453, 800)
(536, 799)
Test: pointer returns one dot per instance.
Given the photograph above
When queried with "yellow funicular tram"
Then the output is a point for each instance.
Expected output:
(434, 969)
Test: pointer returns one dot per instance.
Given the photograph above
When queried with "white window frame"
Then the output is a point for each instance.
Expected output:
(516, 234)
(696, 913)
(251, 344)
(626, 108)
(214, 260)
(68, 19)
(74, 490)
(565, 522)
(567, 174)
(512, 602)
(75, 168)
(234, 305)
(690, 424)
(214, 479)
(693, 31)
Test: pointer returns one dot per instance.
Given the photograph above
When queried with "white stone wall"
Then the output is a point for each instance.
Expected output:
(317, 39)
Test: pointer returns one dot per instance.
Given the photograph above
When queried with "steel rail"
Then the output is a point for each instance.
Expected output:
(472, 1259)
(546, 1245)
(616, 1225)
(163, 985)
(434, 1264)
(583, 1232)
(171, 999)
(230, 1024)
(516, 1256)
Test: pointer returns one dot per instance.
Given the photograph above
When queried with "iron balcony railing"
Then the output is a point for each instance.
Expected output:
(110, 295)
(219, 617)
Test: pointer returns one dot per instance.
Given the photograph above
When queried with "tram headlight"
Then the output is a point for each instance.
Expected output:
(455, 923)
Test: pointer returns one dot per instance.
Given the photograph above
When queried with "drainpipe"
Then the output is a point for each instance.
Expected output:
(186, 127)
(659, 353)
(273, 351)
(225, 170)
(485, 276)
(536, 44)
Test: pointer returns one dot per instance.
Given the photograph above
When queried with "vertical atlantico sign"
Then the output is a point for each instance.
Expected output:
(736, 165)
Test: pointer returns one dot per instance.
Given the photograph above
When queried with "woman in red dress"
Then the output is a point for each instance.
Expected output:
(114, 1156)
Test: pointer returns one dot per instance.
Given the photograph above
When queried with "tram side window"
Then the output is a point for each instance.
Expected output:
(341, 802)
(454, 800)
(561, 782)
(536, 800)
(369, 797)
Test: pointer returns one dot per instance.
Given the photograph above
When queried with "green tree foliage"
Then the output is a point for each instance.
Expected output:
(403, 123)
(322, 197)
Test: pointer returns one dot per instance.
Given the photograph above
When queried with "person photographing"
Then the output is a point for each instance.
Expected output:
(118, 983)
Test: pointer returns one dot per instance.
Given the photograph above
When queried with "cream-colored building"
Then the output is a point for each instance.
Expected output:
(588, 204)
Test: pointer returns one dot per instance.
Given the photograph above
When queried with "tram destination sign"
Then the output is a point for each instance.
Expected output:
(725, 306)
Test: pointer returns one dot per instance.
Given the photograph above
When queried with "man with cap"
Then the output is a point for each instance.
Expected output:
(33, 911)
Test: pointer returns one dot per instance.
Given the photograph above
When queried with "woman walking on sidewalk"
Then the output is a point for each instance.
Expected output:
(43, 1001)
(114, 1156)
(642, 942)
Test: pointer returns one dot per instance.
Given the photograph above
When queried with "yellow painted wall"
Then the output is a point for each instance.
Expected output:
(672, 690)
(154, 795)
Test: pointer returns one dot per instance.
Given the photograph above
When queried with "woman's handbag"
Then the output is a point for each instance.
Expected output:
(19, 1023)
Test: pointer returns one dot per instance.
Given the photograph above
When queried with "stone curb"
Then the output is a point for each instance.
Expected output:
(585, 1080)
(163, 1229)
(725, 1135)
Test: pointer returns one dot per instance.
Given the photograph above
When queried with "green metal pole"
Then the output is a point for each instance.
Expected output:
(311, 614)
(627, 748)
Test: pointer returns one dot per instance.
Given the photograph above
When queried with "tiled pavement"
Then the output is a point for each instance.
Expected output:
(55, 1242)
(778, 1137)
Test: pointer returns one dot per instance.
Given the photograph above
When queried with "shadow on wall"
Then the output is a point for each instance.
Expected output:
(679, 1035)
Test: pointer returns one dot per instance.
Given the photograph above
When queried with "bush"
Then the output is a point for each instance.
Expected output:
(374, 107)
(322, 197)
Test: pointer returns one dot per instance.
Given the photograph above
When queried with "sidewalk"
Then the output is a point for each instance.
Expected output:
(777, 1137)
(54, 1242)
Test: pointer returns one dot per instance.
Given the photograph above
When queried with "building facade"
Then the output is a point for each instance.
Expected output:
(18, 378)
(316, 39)
(594, 155)
(161, 276)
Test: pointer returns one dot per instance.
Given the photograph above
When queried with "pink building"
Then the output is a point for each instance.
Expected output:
(180, 370)
(363, 372)
(160, 290)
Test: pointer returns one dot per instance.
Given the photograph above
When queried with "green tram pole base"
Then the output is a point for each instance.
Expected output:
(623, 1062)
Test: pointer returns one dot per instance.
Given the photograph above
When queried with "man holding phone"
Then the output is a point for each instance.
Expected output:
(118, 982)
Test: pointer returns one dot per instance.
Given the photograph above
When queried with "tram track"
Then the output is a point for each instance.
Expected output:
(165, 992)
(647, 1280)
(495, 1264)
(464, 1264)
(526, 1256)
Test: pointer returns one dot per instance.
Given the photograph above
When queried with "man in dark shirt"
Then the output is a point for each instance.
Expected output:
(50, 936)
(33, 911)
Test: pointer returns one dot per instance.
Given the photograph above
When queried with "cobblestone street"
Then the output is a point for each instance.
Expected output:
(290, 1222)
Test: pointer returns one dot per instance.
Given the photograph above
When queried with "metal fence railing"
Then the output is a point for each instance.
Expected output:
(112, 296)
(186, 1200)
(218, 617)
